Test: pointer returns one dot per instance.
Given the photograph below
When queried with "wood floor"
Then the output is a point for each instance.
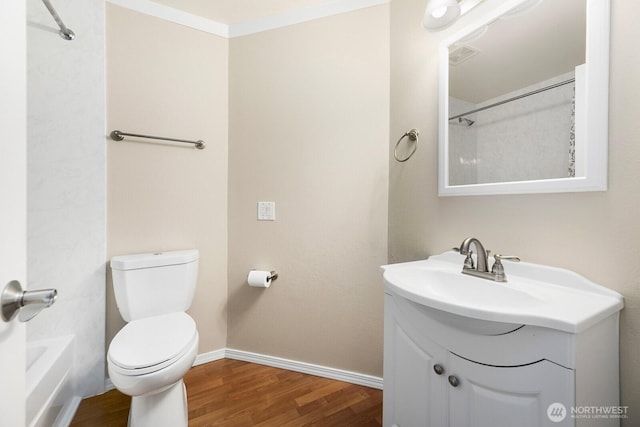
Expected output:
(234, 393)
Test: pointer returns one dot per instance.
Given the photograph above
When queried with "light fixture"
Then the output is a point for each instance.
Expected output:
(440, 13)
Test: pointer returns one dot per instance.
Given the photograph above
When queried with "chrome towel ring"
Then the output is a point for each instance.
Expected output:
(413, 136)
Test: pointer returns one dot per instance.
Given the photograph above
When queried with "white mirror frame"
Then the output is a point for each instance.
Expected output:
(592, 132)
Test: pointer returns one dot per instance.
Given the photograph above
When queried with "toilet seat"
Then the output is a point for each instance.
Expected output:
(153, 343)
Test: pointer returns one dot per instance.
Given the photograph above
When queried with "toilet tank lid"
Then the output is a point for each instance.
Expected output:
(155, 259)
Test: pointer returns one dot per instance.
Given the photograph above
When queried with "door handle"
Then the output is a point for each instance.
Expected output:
(14, 298)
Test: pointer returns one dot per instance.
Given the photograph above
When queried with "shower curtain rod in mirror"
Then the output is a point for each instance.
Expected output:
(515, 98)
(65, 32)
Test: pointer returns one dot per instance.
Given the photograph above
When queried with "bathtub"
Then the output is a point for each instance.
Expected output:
(50, 399)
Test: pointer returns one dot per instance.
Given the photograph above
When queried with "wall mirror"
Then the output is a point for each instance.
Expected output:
(523, 100)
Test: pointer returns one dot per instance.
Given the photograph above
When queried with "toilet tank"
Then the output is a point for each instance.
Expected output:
(151, 284)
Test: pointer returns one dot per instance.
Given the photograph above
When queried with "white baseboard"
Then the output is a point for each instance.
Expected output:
(210, 356)
(306, 368)
(278, 362)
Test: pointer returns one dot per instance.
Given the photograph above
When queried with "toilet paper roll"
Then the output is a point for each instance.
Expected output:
(259, 278)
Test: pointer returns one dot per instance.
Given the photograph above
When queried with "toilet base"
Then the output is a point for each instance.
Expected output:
(167, 408)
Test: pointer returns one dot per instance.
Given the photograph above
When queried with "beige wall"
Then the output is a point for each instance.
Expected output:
(309, 108)
(168, 80)
(594, 234)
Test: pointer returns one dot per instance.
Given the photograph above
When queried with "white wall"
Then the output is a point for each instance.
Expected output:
(309, 108)
(595, 234)
(169, 80)
(66, 180)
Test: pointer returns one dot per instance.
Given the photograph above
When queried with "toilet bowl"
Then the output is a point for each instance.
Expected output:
(148, 358)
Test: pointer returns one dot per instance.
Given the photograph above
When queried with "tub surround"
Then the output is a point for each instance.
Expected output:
(66, 181)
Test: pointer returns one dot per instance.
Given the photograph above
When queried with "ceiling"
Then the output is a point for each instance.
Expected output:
(235, 11)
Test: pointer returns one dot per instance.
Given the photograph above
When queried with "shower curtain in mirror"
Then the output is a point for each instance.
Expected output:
(572, 137)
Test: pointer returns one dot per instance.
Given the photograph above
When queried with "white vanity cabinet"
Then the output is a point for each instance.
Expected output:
(413, 394)
(441, 369)
(507, 396)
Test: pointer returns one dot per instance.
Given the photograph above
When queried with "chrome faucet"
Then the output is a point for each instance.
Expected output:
(482, 267)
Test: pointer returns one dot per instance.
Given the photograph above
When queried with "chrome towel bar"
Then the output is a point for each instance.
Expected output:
(117, 135)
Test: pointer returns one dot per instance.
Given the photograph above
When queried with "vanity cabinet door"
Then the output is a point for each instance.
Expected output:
(489, 396)
(414, 393)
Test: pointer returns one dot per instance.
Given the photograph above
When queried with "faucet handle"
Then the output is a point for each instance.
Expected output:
(468, 261)
(499, 257)
(498, 269)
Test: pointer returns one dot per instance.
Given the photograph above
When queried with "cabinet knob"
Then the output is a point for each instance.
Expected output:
(438, 369)
(454, 381)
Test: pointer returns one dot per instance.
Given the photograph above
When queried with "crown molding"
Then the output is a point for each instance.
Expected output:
(176, 16)
(297, 16)
(284, 19)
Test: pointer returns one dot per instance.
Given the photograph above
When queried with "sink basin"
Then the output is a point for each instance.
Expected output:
(535, 295)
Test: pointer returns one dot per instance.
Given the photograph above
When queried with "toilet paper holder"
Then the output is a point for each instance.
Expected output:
(261, 278)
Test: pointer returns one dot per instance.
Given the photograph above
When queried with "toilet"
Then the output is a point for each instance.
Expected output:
(149, 357)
